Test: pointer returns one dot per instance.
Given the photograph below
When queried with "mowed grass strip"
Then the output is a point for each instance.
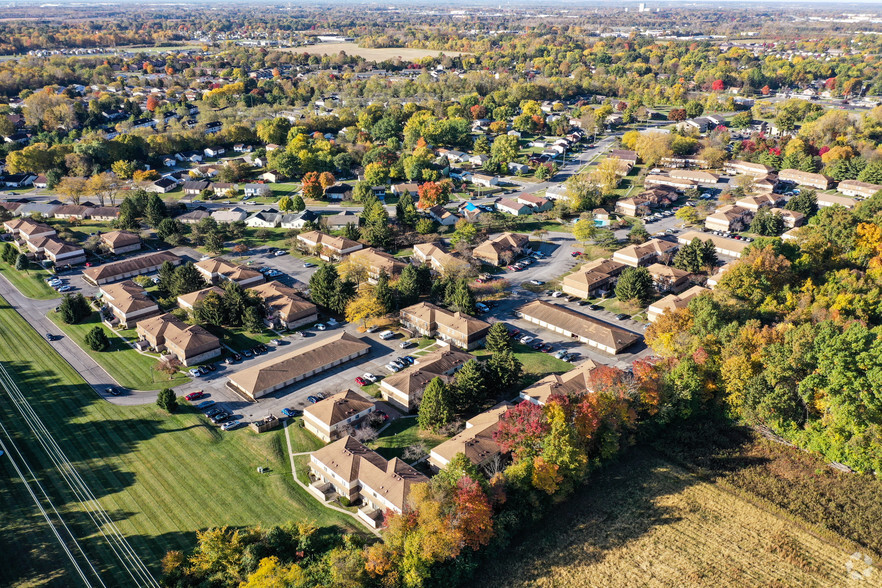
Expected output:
(161, 477)
(126, 365)
(646, 522)
(31, 283)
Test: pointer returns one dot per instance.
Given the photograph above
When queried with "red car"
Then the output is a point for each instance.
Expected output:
(576, 253)
(194, 396)
(361, 381)
(514, 333)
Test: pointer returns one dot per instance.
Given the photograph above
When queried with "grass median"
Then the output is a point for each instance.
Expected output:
(126, 365)
(161, 477)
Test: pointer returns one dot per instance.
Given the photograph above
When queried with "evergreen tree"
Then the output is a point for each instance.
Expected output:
(167, 400)
(210, 311)
(504, 370)
(128, 215)
(424, 279)
(634, 284)
(696, 256)
(97, 339)
(252, 321)
(323, 284)
(350, 231)
(767, 223)
(167, 278)
(187, 279)
(805, 202)
(297, 203)
(155, 210)
(383, 292)
(408, 288)
(470, 388)
(21, 262)
(9, 253)
(459, 297)
(436, 407)
(497, 338)
(235, 304)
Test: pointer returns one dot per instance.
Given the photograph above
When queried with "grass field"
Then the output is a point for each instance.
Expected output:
(536, 364)
(31, 283)
(646, 522)
(400, 435)
(127, 366)
(161, 477)
(371, 54)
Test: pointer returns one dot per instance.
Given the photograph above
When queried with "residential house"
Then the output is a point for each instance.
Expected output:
(272, 177)
(333, 417)
(476, 441)
(191, 344)
(352, 471)
(795, 176)
(285, 309)
(129, 268)
(792, 218)
(214, 151)
(536, 203)
(57, 251)
(856, 189)
(128, 303)
(339, 221)
(593, 278)
(825, 200)
(456, 328)
(515, 208)
(252, 190)
(754, 203)
(377, 262)
(624, 155)
(736, 166)
(193, 217)
(195, 188)
(29, 231)
(485, 180)
(518, 168)
(162, 185)
(230, 215)
(298, 220)
(574, 383)
(327, 245)
(645, 253)
(635, 206)
(723, 245)
(568, 322)
(265, 219)
(41, 182)
(221, 189)
(673, 302)
(118, 242)
(104, 213)
(411, 188)
(338, 192)
(404, 390)
(668, 279)
(501, 250)
(729, 219)
(68, 211)
(294, 366)
(189, 301)
(218, 269)
(442, 216)
(437, 258)
(698, 177)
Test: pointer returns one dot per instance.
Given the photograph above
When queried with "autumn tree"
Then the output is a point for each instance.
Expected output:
(434, 193)
(364, 307)
(72, 189)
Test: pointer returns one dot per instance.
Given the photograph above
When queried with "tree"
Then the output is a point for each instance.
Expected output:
(638, 233)
(210, 310)
(297, 204)
(124, 170)
(634, 284)
(584, 230)
(521, 430)
(384, 293)
(696, 256)
(155, 210)
(72, 189)
(97, 339)
(285, 204)
(497, 338)
(434, 193)
(22, 263)
(805, 202)
(253, 321)
(504, 370)
(167, 400)
(311, 186)
(474, 514)
(505, 149)
(363, 307)
(582, 192)
(408, 286)
(73, 308)
(436, 407)
(653, 146)
(459, 296)
(465, 233)
(767, 223)
(470, 387)
(186, 279)
(606, 174)
(688, 215)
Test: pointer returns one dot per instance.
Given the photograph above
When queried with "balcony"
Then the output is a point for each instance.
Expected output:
(373, 517)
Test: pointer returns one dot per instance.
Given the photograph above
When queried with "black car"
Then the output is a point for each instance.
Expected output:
(211, 367)
(50, 337)
(595, 307)
(113, 391)
(237, 357)
(623, 316)
(220, 417)
(214, 412)
(247, 352)
(582, 302)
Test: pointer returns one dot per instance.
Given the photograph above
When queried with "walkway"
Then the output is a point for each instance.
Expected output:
(292, 455)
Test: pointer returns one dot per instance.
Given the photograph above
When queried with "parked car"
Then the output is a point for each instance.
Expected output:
(382, 414)
(237, 357)
(195, 372)
(556, 294)
(623, 316)
(526, 339)
(220, 417)
(386, 335)
(321, 327)
(514, 333)
(361, 381)
(312, 399)
(576, 253)
(289, 412)
(536, 345)
(279, 253)
(537, 282)
(582, 302)
(194, 396)
(572, 298)
(214, 411)
(595, 307)
(230, 425)
(546, 348)
(392, 367)
(369, 377)
(205, 404)
(307, 264)
(247, 352)
(64, 289)
(407, 344)
(229, 361)
(114, 391)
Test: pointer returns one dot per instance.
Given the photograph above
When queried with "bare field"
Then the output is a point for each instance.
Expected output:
(646, 522)
(371, 54)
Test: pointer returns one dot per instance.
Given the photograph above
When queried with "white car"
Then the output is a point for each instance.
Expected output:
(279, 253)
(526, 340)
(230, 425)
(556, 294)
(320, 327)
(369, 377)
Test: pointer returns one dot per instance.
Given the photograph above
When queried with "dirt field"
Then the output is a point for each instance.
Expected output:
(670, 530)
(370, 54)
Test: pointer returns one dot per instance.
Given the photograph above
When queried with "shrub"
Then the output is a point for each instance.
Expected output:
(97, 339)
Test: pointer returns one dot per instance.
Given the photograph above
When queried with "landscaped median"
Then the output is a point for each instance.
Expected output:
(31, 283)
(130, 368)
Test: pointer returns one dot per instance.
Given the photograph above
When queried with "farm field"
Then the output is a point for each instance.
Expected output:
(369, 53)
(160, 477)
(648, 522)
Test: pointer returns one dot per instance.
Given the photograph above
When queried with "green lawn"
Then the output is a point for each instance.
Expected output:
(160, 477)
(536, 364)
(240, 339)
(301, 439)
(31, 283)
(402, 434)
(127, 366)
